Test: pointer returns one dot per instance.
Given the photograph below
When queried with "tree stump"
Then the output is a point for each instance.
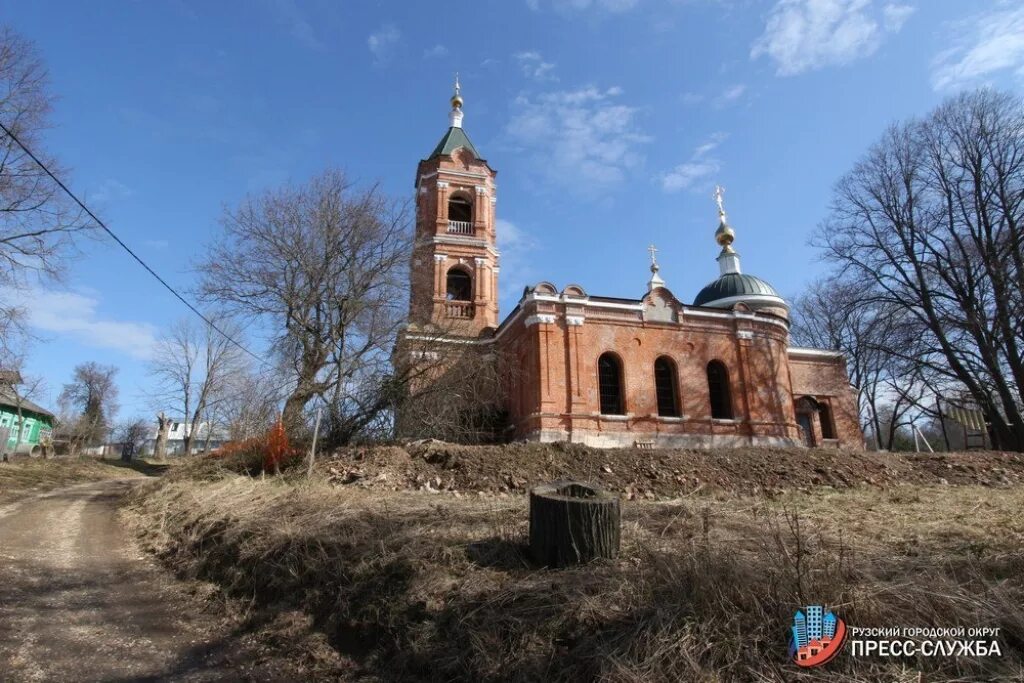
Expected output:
(572, 523)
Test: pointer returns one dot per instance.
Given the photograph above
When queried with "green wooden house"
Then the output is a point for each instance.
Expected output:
(34, 436)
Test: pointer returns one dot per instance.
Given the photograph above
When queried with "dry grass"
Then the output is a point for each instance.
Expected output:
(22, 476)
(412, 585)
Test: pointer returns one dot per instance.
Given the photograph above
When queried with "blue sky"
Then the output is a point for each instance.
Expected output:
(609, 122)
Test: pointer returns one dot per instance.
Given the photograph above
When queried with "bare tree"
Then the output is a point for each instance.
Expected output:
(248, 406)
(132, 435)
(932, 219)
(454, 393)
(832, 314)
(93, 394)
(194, 364)
(37, 221)
(323, 266)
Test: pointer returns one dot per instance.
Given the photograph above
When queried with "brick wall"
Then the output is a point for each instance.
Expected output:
(558, 397)
(824, 378)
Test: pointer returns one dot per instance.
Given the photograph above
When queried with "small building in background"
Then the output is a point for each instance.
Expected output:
(204, 436)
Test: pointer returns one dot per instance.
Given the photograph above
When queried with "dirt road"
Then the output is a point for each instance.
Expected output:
(79, 602)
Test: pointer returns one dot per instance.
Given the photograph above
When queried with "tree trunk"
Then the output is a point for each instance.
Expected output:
(209, 435)
(160, 447)
(572, 523)
(291, 416)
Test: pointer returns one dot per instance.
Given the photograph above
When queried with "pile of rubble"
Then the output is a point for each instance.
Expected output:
(435, 466)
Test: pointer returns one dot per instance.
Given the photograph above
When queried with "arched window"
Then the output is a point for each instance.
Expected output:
(825, 418)
(460, 209)
(718, 387)
(459, 285)
(665, 386)
(609, 379)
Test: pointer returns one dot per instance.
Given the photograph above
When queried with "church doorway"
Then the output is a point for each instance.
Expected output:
(806, 408)
(804, 420)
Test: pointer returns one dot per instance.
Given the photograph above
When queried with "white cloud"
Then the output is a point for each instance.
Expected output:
(702, 163)
(534, 66)
(606, 5)
(436, 51)
(734, 92)
(894, 16)
(720, 99)
(804, 35)
(985, 43)
(581, 139)
(516, 247)
(75, 315)
(382, 43)
(730, 94)
(111, 189)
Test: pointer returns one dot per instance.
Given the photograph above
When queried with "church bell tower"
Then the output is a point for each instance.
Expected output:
(454, 273)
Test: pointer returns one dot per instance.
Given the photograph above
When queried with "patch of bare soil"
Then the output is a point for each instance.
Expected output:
(23, 476)
(655, 474)
(80, 602)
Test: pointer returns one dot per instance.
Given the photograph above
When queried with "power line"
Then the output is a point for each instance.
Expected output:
(125, 246)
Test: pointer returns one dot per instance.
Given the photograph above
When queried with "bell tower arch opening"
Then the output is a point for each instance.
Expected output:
(460, 214)
(458, 285)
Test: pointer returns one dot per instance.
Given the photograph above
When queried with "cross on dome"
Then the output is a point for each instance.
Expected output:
(725, 234)
(455, 115)
(655, 280)
(719, 194)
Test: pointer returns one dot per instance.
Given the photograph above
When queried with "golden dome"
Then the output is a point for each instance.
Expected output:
(725, 234)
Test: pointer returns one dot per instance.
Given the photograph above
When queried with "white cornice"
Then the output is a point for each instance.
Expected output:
(457, 174)
(581, 301)
(728, 301)
(540, 318)
(448, 340)
(736, 315)
(818, 353)
(465, 241)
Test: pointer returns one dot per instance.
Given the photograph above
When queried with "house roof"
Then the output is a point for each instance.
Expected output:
(9, 400)
(452, 140)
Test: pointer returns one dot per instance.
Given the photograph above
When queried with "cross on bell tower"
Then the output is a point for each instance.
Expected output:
(454, 274)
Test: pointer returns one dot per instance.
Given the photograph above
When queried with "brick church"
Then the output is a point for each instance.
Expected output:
(612, 371)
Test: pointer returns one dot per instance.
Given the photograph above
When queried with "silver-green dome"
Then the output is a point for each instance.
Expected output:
(731, 288)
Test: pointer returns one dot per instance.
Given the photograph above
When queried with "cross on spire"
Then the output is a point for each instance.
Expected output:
(655, 280)
(719, 194)
(455, 115)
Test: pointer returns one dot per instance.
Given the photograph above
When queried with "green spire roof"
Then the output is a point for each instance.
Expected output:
(452, 140)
